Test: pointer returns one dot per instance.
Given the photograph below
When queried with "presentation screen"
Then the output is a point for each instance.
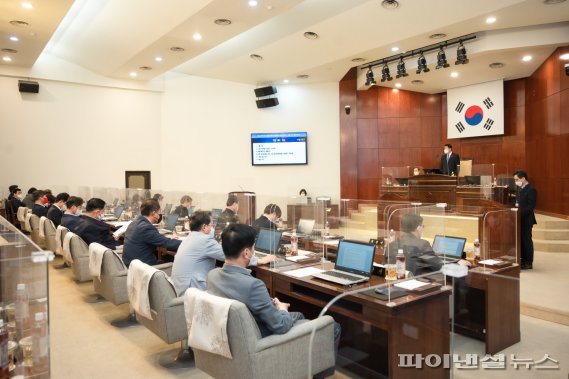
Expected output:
(279, 148)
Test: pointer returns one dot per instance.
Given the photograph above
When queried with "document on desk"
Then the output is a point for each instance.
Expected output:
(489, 262)
(120, 231)
(412, 284)
(302, 272)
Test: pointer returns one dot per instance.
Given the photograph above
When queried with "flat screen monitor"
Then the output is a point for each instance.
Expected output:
(473, 180)
(269, 149)
(449, 246)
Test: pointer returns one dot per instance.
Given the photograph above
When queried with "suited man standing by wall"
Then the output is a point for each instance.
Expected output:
(526, 198)
(449, 161)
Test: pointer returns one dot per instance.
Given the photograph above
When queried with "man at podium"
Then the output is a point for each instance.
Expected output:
(449, 161)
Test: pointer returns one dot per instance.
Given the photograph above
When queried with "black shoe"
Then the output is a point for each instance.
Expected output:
(527, 266)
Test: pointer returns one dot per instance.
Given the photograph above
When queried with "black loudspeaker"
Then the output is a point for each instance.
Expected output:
(567, 69)
(265, 91)
(28, 86)
(266, 103)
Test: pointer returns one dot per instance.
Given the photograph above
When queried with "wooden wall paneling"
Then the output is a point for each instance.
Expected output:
(410, 156)
(549, 154)
(564, 206)
(388, 158)
(348, 136)
(431, 105)
(368, 189)
(515, 93)
(552, 112)
(514, 122)
(564, 149)
(367, 103)
(388, 132)
(409, 103)
(431, 157)
(551, 74)
(430, 131)
(409, 132)
(368, 162)
(367, 133)
(388, 103)
(564, 112)
(513, 157)
(563, 79)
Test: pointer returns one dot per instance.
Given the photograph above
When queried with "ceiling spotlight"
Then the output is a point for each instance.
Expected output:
(132, 74)
(311, 35)
(401, 70)
(14, 39)
(197, 36)
(285, 81)
(491, 20)
(454, 74)
(253, 3)
(369, 77)
(564, 56)
(527, 58)
(385, 75)
(441, 59)
(7, 59)
(158, 59)
(417, 82)
(395, 49)
(461, 57)
(496, 65)
(390, 4)
(398, 85)
(27, 5)
(422, 64)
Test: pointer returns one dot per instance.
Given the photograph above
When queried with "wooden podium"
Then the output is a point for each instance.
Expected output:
(247, 206)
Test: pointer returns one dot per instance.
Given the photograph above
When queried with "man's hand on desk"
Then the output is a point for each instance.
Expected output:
(279, 305)
(266, 259)
(464, 262)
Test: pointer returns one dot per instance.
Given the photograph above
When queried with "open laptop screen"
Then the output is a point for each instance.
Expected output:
(167, 209)
(118, 211)
(268, 241)
(449, 246)
(171, 222)
(305, 226)
(355, 257)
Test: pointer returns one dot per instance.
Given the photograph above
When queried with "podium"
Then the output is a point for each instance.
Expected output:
(247, 206)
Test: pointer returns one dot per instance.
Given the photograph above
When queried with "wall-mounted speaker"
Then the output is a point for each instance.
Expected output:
(265, 91)
(28, 86)
(267, 103)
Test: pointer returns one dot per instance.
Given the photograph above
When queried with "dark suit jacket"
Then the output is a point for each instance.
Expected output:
(55, 214)
(70, 222)
(452, 166)
(527, 198)
(227, 217)
(39, 210)
(419, 255)
(181, 211)
(92, 230)
(264, 223)
(15, 203)
(141, 240)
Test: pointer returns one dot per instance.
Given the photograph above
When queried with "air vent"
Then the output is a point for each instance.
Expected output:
(437, 36)
(19, 23)
(302, 76)
(145, 68)
(358, 60)
(496, 65)
(177, 49)
(390, 4)
(256, 57)
(311, 35)
(222, 22)
(417, 82)
(551, 2)
(12, 51)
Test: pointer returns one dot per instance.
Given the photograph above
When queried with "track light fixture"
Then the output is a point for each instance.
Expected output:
(422, 64)
(441, 59)
(369, 77)
(385, 75)
(401, 71)
(461, 57)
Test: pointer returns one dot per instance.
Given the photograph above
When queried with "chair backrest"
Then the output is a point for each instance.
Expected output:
(78, 248)
(35, 233)
(21, 214)
(49, 232)
(160, 292)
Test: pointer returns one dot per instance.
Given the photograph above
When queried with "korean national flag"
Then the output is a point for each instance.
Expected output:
(476, 110)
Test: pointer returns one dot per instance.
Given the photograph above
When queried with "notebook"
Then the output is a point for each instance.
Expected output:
(170, 224)
(449, 248)
(354, 263)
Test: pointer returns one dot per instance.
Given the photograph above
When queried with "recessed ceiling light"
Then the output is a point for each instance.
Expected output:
(394, 49)
(358, 60)
(253, 3)
(11, 51)
(302, 76)
(437, 36)
(454, 74)
(145, 68)
(256, 57)
(398, 85)
(390, 4)
(491, 20)
(551, 2)
(496, 65)
(27, 5)
(270, 7)
(158, 59)
(132, 74)
(222, 22)
(19, 23)
(7, 59)
(197, 36)
(526, 58)
(417, 82)
(311, 35)
(285, 81)
(14, 39)
(564, 56)
(177, 49)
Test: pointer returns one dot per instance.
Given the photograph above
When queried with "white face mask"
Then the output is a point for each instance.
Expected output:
(518, 183)
(415, 172)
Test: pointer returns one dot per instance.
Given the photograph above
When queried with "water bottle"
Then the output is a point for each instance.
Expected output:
(4, 363)
(477, 249)
(327, 228)
(391, 235)
(294, 243)
(40, 345)
(400, 264)
(22, 311)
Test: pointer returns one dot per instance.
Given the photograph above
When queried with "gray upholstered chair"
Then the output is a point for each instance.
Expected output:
(21, 215)
(35, 235)
(49, 233)
(276, 356)
(80, 255)
(168, 319)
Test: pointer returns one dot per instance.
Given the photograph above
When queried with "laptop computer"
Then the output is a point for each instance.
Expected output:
(167, 209)
(354, 263)
(170, 225)
(305, 227)
(267, 242)
(449, 248)
(116, 215)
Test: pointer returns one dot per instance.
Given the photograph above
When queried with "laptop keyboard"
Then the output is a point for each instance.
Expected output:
(341, 275)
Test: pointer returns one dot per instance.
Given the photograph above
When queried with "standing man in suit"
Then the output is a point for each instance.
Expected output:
(526, 198)
(449, 161)
(55, 211)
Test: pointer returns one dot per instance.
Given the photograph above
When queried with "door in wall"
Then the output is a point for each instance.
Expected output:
(137, 179)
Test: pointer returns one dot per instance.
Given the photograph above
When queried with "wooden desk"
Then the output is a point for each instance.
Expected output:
(487, 306)
(372, 332)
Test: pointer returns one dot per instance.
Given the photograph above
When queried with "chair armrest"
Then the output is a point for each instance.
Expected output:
(176, 302)
(166, 267)
(295, 332)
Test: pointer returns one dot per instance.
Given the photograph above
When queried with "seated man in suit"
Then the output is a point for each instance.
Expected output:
(449, 161)
(92, 229)
(29, 198)
(197, 254)
(15, 199)
(70, 218)
(39, 208)
(55, 212)
(229, 214)
(182, 209)
(142, 238)
(269, 218)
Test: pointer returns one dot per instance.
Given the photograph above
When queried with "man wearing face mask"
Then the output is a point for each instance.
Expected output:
(197, 254)
(55, 211)
(142, 237)
(70, 218)
(92, 229)
(526, 199)
(269, 218)
(449, 161)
